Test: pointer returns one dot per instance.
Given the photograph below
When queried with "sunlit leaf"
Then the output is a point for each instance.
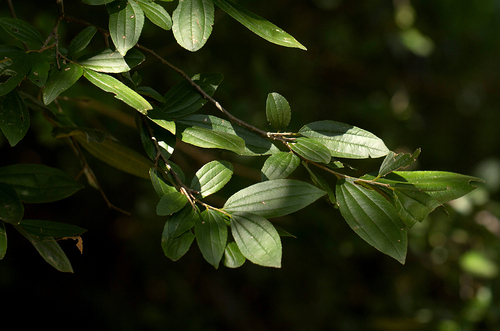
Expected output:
(81, 40)
(14, 66)
(212, 177)
(274, 198)
(120, 90)
(160, 185)
(60, 80)
(192, 23)
(373, 218)
(232, 256)
(278, 111)
(211, 236)
(105, 61)
(311, 150)
(345, 140)
(42, 229)
(11, 207)
(257, 239)
(413, 205)
(180, 222)
(22, 31)
(38, 183)
(258, 25)
(126, 19)
(279, 165)
(171, 203)
(165, 140)
(211, 139)
(393, 162)
(14, 117)
(156, 14)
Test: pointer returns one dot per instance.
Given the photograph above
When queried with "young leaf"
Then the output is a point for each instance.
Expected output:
(14, 117)
(311, 150)
(278, 111)
(3, 240)
(345, 140)
(39, 72)
(273, 198)
(60, 80)
(11, 207)
(393, 162)
(175, 248)
(373, 218)
(156, 14)
(14, 65)
(232, 256)
(118, 156)
(254, 144)
(413, 205)
(279, 165)
(81, 40)
(50, 250)
(105, 61)
(212, 139)
(180, 222)
(258, 25)
(257, 239)
(183, 99)
(171, 203)
(22, 31)
(211, 236)
(121, 91)
(38, 183)
(160, 185)
(192, 23)
(43, 229)
(126, 20)
(212, 177)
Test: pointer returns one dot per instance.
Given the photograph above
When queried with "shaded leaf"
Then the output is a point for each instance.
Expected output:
(211, 236)
(279, 165)
(413, 205)
(22, 31)
(42, 229)
(156, 14)
(175, 248)
(40, 67)
(322, 184)
(160, 185)
(134, 57)
(345, 140)
(373, 218)
(60, 80)
(150, 92)
(105, 61)
(274, 198)
(257, 239)
(212, 177)
(11, 207)
(258, 25)
(14, 117)
(126, 20)
(311, 150)
(81, 40)
(14, 66)
(393, 162)
(180, 222)
(192, 23)
(166, 141)
(38, 183)
(120, 90)
(97, 2)
(278, 111)
(3, 240)
(232, 256)
(70, 131)
(171, 203)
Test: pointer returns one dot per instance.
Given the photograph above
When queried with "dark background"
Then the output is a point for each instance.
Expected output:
(417, 74)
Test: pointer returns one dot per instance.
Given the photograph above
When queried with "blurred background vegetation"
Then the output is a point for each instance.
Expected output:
(416, 73)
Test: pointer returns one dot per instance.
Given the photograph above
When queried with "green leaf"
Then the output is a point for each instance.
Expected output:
(393, 162)
(212, 177)
(126, 20)
(118, 156)
(165, 140)
(14, 117)
(413, 205)
(38, 183)
(160, 185)
(134, 57)
(14, 66)
(192, 23)
(258, 25)
(257, 239)
(211, 139)
(50, 250)
(156, 14)
(22, 31)
(183, 99)
(39, 72)
(121, 91)
(278, 111)
(322, 184)
(81, 40)
(373, 218)
(311, 150)
(175, 248)
(180, 222)
(211, 236)
(162, 120)
(3, 240)
(150, 92)
(254, 143)
(105, 61)
(97, 2)
(171, 203)
(273, 198)
(60, 80)
(11, 207)
(70, 131)
(279, 165)
(42, 229)
(345, 140)
(232, 256)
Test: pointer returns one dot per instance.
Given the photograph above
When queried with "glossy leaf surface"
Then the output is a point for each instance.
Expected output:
(60, 80)
(105, 61)
(180, 222)
(232, 256)
(14, 117)
(311, 150)
(413, 205)
(171, 203)
(126, 20)
(393, 162)
(156, 14)
(192, 23)
(212, 177)
(279, 165)
(211, 236)
(257, 239)
(345, 140)
(274, 198)
(278, 111)
(212, 139)
(160, 185)
(81, 40)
